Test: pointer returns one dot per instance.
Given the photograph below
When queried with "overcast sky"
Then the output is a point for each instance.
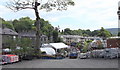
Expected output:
(86, 14)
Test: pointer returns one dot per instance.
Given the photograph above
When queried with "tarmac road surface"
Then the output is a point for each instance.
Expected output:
(65, 63)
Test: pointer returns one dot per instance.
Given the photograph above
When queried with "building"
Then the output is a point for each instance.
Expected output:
(98, 44)
(7, 34)
(113, 42)
(32, 36)
(75, 38)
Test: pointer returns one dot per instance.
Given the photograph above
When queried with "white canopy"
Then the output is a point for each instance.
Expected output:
(48, 50)
(7, 50)
(59, 45)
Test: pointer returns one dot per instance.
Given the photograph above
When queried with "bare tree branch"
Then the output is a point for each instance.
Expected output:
(57, 4)
(17, 5)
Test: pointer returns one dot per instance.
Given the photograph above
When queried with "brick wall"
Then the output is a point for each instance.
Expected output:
(113, 43)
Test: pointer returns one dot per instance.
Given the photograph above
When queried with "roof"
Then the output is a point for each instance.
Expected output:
(116, 37)
(58, 45)
(48, 50)
(7, 31)
(29, 34)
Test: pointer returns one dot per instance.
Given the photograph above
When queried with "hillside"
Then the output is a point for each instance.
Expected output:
(114, 31)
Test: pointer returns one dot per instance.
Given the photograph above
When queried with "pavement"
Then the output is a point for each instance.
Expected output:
(65, 63)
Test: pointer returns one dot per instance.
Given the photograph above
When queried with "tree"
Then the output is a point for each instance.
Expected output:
(95, 33)
(79, 45)
(88, 32)
(26, 46)
(7, 24)
(46, 28)
(23, 24)
(67, 31)
(104, 33)
(55, 36)
(85, 48)
(17, 5)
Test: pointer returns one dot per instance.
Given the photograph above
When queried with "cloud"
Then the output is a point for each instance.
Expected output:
(85, 14)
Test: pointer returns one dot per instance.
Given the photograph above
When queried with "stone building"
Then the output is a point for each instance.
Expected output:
(7, 34)
(75, 38)
(32, 36)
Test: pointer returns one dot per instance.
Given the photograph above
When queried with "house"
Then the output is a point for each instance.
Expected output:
(75, 38)
(32, 36)
(7, 34)
(113, 42)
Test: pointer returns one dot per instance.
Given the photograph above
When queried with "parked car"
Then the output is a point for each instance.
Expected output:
(88, 54)
(96, 53)
(73, 53)
(111, 53)
(2, 61)
(83, 56)
(108, 53)
(8, 58)
(102, 54)
(118, 52)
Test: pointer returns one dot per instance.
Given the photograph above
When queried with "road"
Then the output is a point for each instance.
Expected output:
(65, 63)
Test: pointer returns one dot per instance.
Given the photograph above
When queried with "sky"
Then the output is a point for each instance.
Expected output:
(86, 14)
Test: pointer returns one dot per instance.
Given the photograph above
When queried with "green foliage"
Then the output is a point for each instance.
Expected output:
(26, 46)
(89, 41)
(59, 5)
(60, 39)
(11, 43)
(46, 28)
(27, 24)
(67, 31)
(95, 33)
(86, 32)
(55, 36)
(6, 24)
(23, 24)
(118, 33)
(85, 48)
(79, 45)
(100, 46)
(104, 33)
(77, 32)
